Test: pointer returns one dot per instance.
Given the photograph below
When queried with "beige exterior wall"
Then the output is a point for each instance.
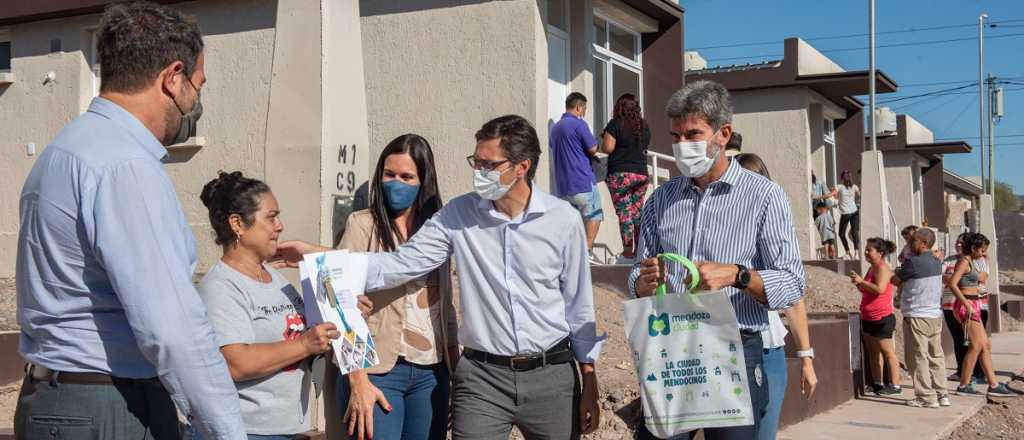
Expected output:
(813, 62)
(442, 68)
(775, 125)
(917, 133)
(239, 37)
(901, 170)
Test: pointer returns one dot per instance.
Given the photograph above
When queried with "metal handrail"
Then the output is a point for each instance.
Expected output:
(654, 156)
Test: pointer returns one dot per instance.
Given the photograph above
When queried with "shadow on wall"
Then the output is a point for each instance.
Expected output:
(1010, 233)
(369, 8)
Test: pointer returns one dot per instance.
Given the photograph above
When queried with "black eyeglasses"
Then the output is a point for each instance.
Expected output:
(484, 165)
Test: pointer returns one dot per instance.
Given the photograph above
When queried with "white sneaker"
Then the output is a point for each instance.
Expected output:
(944, 400)
(918, 402)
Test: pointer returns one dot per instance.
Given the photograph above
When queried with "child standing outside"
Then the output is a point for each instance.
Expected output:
(826, 229)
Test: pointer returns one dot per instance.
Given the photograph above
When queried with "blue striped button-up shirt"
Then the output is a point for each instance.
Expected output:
(524, 283)
(742, 218)
(104, 269)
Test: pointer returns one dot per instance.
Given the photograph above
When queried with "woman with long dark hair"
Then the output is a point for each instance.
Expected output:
(965, 284)
(877, 315)
(413, 326)
(774, 341)
(625, 140)
(849, 213)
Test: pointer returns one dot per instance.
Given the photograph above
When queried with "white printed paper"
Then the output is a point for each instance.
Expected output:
(331, 281)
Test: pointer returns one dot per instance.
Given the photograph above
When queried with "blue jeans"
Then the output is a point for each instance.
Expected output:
(753, 353)
(775, 371)
(418, 395)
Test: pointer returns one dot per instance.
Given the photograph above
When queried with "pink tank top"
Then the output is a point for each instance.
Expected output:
(875, 307)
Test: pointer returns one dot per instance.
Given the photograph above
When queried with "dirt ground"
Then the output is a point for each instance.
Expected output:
(998, 420)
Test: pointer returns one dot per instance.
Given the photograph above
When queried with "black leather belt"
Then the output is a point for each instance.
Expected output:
(558, 354)
(40, 373)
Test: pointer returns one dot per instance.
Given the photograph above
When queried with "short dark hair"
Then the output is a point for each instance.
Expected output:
(909, 230)
(518, 139)
(883, 246)
(735, 142)
(820, 205)
(574, 99)
(231, 193)
(138, 40)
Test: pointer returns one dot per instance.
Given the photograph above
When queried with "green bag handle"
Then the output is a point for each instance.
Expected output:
(694, 273)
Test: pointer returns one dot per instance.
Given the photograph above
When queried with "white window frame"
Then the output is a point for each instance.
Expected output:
(612, 59)
(829, 131)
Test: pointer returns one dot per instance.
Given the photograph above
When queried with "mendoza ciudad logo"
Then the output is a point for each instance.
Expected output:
(663, 324)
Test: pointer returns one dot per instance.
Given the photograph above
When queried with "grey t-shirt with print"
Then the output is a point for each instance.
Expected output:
(244, 311)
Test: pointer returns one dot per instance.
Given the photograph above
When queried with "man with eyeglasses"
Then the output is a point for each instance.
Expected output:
(525, 293)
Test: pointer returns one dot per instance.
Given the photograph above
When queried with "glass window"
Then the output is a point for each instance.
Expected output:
(5, 55)
(599, 105)
(600, 32)
(829, 131)
(624, 81)
(622, 42)
(557, 15)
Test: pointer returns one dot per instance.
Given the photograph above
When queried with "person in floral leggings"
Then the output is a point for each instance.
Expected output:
(625, 140)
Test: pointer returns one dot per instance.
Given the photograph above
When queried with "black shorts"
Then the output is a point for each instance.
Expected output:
(830, 241)
(883, 328)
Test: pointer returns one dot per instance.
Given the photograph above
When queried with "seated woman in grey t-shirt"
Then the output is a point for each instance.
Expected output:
(257, 314)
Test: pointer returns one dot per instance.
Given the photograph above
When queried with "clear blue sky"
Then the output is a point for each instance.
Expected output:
(721, 22)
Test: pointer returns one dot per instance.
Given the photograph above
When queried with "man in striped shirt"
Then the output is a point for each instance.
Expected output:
(734, 223)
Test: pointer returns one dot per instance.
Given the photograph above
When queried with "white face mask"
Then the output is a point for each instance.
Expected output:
(487, 184)
(692, 157)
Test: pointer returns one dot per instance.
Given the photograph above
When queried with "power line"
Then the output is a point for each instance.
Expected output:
(998, 136)
(839, 37)
(883, 46)
(922, 43)
(932, 93)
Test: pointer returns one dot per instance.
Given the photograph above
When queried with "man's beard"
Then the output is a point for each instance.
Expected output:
(172, 123)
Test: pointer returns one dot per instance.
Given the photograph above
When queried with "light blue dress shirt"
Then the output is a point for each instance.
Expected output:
(742, 218)
(104, 269)
(524, 283)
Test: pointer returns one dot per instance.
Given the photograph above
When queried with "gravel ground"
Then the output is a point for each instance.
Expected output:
(998, 420)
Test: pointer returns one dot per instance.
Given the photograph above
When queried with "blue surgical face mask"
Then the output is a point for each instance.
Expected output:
(399, 195)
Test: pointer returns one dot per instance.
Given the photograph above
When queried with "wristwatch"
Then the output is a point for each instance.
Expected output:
(808, 353)
(742, 277)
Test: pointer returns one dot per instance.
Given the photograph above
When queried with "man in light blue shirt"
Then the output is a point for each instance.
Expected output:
(114, 331)
(524, 289)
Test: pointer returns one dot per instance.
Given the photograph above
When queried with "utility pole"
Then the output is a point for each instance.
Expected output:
(995, 113)
(871, 75)
(981, 94)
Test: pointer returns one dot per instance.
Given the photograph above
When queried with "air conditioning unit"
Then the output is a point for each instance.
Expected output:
(885, 121)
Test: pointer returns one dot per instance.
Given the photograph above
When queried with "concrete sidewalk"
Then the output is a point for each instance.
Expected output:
(888, 417)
